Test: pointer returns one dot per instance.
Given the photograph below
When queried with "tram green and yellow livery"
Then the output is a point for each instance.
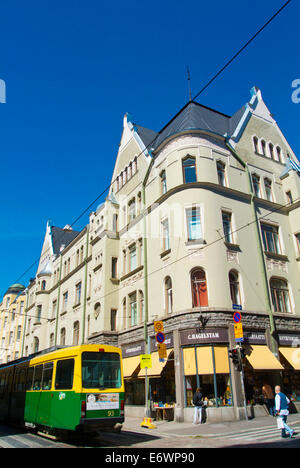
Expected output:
(78, 388)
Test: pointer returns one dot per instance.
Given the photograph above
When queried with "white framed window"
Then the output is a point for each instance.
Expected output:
(165, 234)
(193, 223)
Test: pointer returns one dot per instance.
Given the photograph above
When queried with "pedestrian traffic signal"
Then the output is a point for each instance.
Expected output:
(235, 357)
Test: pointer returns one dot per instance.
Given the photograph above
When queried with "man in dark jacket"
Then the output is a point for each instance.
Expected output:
(198, 403)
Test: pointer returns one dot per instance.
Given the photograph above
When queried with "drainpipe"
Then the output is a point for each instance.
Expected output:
(261, 251)
(85, 285)
(146, 314)
(58, 297)
(25, 321)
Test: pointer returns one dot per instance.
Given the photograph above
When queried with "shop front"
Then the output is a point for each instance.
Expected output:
(261, 368)
(289, 351)
(206, 365)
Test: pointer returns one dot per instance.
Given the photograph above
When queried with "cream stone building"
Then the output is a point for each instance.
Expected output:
(201, 219)
(12, 321)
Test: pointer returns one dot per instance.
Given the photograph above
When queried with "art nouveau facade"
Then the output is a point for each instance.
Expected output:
(12, 321)
(201, 216)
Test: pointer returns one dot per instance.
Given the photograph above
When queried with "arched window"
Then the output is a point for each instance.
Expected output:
(271, 149)
(199, 288)
(168, 295)
(255, 144)
(234, 287)
(221, 173)
(51, 342)
(189, 170)
(278, 154)
(63, 337)
(280, 295)
(76, 333)
(97, 309)
(43, 288)
(256, 185)
(36, 344)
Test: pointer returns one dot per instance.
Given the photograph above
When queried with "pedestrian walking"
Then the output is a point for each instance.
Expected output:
(282, 411)
(269, 398)
(198, 403)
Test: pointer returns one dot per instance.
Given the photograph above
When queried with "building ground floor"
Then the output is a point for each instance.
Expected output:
(198, 356)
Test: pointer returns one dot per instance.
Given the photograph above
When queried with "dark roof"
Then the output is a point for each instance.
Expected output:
(146, 135)
(62, 237)
(193, 116)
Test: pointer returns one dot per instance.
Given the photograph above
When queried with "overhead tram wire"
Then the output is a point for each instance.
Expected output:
(158, 134)
(241, 50)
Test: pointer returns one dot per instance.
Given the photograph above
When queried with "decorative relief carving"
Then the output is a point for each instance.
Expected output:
(273, 264)
(232, 256)
(132, 279)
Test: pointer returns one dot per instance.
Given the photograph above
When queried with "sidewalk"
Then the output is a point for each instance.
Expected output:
(175, 429)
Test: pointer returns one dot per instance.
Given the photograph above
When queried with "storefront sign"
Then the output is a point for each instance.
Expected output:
(258, 338)
(289, 340)
(134, 349)
(213, 335)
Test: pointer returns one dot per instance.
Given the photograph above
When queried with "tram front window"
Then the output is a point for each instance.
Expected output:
(101, 370)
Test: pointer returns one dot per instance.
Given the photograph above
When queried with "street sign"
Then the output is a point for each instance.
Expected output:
(237, 317)
(158, 326)
(146, 361)
(160, 337)
(162, 350)
(238, 332)
(237, 307)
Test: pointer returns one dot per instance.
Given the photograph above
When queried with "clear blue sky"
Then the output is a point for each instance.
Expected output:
(73, 68)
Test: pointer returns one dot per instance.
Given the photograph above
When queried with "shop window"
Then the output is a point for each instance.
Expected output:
(280, 295)
(199, 288)
(234, 287)
(209, 370)
(189, 170)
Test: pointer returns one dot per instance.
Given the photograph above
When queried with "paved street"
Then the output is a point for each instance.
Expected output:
(259, 432)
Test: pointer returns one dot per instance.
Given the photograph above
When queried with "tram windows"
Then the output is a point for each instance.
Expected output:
(64, 374)
(29, 378)
(47, 376)
(37, 378)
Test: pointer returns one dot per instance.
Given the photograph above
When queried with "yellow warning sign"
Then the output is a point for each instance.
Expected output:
(146, 361)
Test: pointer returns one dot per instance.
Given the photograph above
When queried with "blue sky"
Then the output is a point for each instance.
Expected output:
(74, 68)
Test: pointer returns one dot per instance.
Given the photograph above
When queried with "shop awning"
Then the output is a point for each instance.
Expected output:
(261, 358)
(157, 365)
(189, 361)
(292, 355)
(205, 360)
(130, 365)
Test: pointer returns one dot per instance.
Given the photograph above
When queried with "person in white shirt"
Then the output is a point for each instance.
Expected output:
(282, 410)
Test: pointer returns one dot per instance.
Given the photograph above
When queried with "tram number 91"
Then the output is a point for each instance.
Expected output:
(110, 413)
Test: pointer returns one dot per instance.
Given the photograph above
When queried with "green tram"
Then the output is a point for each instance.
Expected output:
(77, 388)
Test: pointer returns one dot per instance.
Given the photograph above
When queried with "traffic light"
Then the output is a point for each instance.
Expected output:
(235, 357)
